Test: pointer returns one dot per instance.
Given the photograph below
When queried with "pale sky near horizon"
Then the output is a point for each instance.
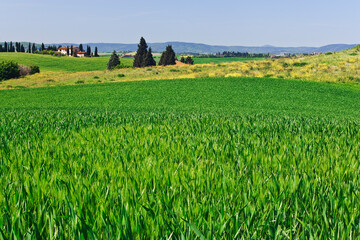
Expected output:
(225, 22)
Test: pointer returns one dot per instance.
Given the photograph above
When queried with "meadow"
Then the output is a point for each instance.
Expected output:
(340, 67)
(48, 63)
(207, 158)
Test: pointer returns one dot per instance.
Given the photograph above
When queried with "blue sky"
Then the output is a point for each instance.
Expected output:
(221, 22)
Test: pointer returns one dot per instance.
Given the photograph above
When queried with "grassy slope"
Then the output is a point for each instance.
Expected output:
(225, 95)
(60, 64)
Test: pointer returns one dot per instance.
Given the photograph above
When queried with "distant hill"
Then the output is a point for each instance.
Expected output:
(184, 47)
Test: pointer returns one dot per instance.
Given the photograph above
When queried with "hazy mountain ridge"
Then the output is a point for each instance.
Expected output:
(185, 47)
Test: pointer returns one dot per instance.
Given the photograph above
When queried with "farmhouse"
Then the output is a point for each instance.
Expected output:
(63, 50)
(81, 54)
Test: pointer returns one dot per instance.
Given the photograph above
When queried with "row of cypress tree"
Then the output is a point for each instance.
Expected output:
(10, 47)
(144, 57)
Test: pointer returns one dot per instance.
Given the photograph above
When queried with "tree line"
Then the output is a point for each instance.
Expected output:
(44, 49)
(234, 54)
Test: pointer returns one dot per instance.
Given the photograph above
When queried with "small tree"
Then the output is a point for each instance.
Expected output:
(189, 60)
(81, 48)
(67, 51)
(149, 59)
(113, 61)
(182, 59)
(29, 48)
(42, 47)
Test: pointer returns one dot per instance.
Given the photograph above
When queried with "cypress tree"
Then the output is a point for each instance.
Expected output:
(1, 48)
(88, 51)
(67, 50)
(139, 59)
(96, 52)
(29, 48)
(6, 47)
(113, 61)
(33, 48)
(149, 59)
(81, 48)
(22, 48)
(11, 47)
(72, 50)
(42, 47)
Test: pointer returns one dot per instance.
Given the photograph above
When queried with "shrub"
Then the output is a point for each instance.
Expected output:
(96, 77)
(301, 64)
(328, 53)
(79, 82)
(121, 75)
(34, 69)
(8, 70)
(24, 70)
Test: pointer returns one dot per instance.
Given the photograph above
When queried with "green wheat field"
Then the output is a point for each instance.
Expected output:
(205, 158)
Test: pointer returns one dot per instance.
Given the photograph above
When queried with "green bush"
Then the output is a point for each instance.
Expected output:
(301, 64)
(328, 53)
(8, 70)
(34, 69)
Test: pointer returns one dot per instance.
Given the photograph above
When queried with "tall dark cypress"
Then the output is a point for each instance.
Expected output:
(29, 48)
(6, 49)
(11, 47)
(149, 59)
(42, 46)
(33, 48)
(67, 51)
(81, 48)
(22, 48)
(72, 50)
(139, 59)
(96, 52)
(88, 51)
(1, 48)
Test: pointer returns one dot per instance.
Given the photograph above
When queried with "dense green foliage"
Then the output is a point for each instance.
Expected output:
(8, 70)
(168, 57)
(182, 159)
(139, 58)
(143, 56)
(114, 61)
(61, 64)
